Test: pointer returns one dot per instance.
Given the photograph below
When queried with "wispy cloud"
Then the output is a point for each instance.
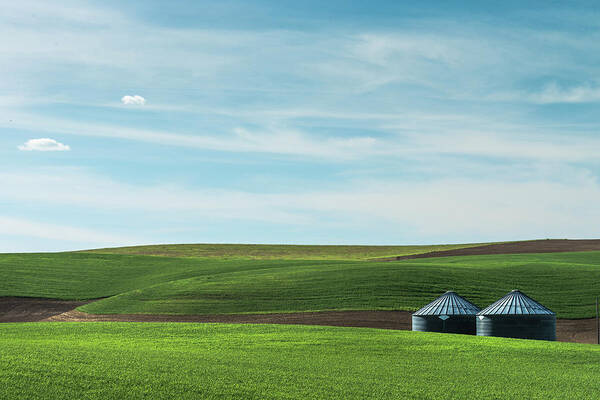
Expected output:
(553, 93)
(385, 119)
(270, 140)
(43, 144)
(30, 228)
(68, 14)
(464, 209)
(408, 140)
(55, 188)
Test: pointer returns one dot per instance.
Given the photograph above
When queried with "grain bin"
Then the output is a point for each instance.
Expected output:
(517, 315)
(448, 313)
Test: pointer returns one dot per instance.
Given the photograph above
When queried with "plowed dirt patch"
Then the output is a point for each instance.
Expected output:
(531, 246)
(567, 330)
(20, 309)
(371, 319)
(14, 309)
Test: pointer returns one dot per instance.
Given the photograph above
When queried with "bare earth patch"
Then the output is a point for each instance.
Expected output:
(371, 319)
(15, 309)
(25, 309)
(531, 246)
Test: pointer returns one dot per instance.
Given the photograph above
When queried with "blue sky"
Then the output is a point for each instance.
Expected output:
(297, 122)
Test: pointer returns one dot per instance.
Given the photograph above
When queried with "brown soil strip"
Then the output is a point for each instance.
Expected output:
(368, 319)
(532, 246)
(25, 309)
(576, 330)
(15, 309)
(567, 330)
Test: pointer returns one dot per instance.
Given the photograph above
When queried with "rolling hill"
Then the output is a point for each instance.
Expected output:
(280, 252)
(216, 361)
(188, 360)
(565, 282)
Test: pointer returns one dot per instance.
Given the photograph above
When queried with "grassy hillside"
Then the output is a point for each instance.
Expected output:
(78, 276)
(565, 282)
(280, 252)
(190, 361)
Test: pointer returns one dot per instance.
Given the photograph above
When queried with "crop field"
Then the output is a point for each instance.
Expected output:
(279, 252)
(210, 361)
(560, 281)
(565, 282)
(73, 276)
(98, 360)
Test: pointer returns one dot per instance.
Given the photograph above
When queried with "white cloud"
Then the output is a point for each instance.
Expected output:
(553, 93)
(56, 188)
(410, 139)
(133, 100)
(270, 140)
(43, 144)
(67, 13)
(26, 227)
(447, 209)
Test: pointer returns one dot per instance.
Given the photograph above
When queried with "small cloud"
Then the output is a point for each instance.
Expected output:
(43, 144)
(133, 100)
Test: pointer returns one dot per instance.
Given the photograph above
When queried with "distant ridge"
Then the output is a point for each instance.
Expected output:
(528, 246)
(283, 252)
(353, 252)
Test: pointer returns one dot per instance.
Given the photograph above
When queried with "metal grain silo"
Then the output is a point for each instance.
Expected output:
(516, 315)
(448, 313)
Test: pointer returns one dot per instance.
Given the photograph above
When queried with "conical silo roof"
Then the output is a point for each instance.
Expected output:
(516, 303)
(449, 303)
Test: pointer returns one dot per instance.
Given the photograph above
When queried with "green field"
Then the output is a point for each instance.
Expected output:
(565, 282)
(279, 252)
(220, 361)
(209, 361)
(75, 276)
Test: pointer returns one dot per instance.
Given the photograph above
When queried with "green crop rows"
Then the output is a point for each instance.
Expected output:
(193, 361)
(565, 282)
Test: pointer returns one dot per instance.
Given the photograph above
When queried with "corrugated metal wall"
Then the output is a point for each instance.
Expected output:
(539, 327)
(464, 324)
